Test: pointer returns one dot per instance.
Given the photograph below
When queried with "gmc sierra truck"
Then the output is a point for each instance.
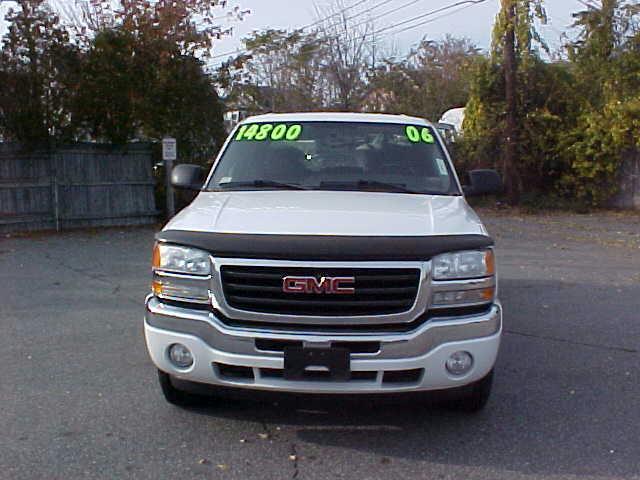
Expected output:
(327, 253)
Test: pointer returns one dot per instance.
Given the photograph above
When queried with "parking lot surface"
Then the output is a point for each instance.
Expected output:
(79, 397)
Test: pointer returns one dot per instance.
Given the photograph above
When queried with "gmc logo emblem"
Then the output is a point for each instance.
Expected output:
(323, 285)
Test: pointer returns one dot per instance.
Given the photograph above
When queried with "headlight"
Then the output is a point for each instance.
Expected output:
(181, 273)
(173, 258)
(462, 265)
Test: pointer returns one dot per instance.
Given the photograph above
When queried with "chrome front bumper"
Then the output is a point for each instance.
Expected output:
(426, 348)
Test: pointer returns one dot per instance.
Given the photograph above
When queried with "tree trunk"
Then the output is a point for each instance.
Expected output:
(509, 167)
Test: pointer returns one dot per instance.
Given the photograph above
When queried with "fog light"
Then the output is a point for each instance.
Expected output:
(180, 355)
(459, 363)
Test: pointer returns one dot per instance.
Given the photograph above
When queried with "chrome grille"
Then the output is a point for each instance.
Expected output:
(378, 291)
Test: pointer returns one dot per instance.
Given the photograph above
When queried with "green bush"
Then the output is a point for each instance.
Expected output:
(596, 149)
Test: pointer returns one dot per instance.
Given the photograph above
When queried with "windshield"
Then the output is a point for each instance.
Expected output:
(335, 156)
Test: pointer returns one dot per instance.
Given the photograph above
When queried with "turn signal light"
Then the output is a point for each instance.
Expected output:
(463, 297)
(490, 261)
(155, 258)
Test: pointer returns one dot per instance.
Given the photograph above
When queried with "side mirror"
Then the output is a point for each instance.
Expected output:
(447, 132)
(483, 182)
(188, 177)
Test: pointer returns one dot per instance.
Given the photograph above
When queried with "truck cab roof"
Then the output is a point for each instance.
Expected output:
(336, 117)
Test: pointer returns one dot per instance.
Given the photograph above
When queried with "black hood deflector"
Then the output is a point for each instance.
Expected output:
(324, 247)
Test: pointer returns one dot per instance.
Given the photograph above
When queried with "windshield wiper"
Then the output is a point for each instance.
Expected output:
(370, 184)
(262, 184)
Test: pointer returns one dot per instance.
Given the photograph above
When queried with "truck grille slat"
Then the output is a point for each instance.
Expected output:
(263, 290)
(378, 291)
(232, 273)
(335, 302)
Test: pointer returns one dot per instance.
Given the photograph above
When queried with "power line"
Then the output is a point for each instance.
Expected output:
(432, 12)
(397, 9)
(370, 9)
(388, 12)
(431, 20)
(590, 6)
(439, 17)
(318, 22)
(462, 3)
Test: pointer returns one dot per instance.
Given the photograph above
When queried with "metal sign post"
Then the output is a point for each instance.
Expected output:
(169, 155)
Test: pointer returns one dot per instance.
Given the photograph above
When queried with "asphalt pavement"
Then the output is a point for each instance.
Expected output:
(79, 397)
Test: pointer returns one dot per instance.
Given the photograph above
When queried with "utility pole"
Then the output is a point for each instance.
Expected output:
(373, 51)
(509, 166)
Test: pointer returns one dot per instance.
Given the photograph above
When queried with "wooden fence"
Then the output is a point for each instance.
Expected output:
(82, 185)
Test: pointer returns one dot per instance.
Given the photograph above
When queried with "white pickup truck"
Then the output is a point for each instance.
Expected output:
(327, 253)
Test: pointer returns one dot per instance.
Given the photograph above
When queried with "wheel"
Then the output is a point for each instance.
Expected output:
(176, 396)
(475, 396)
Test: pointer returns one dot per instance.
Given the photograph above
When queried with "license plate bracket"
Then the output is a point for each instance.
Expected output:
(301, 362)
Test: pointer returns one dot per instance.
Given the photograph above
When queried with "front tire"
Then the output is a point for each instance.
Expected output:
(476, 396)
(175, 396)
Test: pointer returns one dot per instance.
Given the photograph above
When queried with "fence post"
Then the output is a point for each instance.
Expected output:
(53, 169)
(169, 155)
(635, 184)
(171, 204)
(56, 203)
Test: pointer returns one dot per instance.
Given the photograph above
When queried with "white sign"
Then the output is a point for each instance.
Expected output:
(169, 149)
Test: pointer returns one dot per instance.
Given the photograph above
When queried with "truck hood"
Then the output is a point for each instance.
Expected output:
(327, 213)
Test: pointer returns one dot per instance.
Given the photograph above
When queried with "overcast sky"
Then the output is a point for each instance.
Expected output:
(472, 21)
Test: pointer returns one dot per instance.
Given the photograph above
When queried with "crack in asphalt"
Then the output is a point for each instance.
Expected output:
(96, 277)
(572, 342)
(265, 427)
(293, 450)
(93, 276)
(294, 456)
